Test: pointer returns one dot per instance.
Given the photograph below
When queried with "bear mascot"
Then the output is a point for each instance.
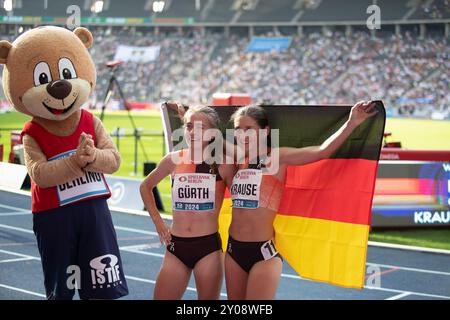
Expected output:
(48, 75)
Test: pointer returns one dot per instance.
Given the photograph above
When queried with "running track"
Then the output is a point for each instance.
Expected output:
(404, 274)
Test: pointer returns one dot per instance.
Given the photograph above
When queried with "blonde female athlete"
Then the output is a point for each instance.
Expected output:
(252, 263)
(193, 242)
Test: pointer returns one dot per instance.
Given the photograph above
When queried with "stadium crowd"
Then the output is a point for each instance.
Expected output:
(409, 73)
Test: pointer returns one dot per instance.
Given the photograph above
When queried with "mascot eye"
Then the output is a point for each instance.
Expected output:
(66, 69)
(42, 74)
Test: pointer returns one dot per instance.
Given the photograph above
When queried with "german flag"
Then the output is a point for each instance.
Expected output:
(323, 222)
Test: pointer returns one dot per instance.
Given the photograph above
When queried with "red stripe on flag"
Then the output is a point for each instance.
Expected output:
(331, 189)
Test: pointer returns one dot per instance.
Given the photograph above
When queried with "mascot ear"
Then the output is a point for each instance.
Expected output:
(85, 36)
(5, 46)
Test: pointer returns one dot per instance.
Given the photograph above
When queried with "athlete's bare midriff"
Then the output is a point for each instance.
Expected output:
(197, 224)
(252, 225)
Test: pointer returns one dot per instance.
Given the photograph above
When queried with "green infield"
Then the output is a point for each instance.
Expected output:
(438, 238)
(150, 122)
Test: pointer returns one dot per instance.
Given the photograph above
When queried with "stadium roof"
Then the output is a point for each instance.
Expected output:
(189, 12)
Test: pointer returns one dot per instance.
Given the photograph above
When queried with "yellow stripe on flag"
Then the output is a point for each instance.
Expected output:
(323, 250)
(225, 221)
(317, 249)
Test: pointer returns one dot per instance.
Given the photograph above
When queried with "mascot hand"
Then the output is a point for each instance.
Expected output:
(86, 151)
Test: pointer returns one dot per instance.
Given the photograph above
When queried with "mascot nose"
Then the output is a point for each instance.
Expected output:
(59, 89)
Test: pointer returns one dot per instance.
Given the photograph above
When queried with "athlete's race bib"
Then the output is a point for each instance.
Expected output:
(91, 184)
(193, 191)
(245, 188)
(268, 250)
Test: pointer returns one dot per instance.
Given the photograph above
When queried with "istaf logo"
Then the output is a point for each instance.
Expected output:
(105, 271)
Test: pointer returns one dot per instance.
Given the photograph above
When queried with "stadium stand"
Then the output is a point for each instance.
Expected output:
(407, 69)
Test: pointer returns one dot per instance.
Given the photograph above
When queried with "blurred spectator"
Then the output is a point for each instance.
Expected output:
(408, 73)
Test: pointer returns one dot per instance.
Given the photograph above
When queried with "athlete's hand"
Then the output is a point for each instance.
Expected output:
(361, 111)
(178, 107)
(164, 232)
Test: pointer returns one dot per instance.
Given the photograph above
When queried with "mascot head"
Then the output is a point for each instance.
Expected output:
(48, 72)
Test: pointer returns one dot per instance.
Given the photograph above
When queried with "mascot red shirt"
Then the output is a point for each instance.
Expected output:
(48, 75)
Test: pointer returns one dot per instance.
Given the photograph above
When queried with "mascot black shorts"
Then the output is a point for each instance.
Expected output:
(78, 247)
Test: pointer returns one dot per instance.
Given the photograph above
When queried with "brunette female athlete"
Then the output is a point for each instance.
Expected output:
(252, 263)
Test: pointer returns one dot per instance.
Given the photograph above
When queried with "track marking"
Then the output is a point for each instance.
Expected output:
(16, 244)
(14, 213)
(15, 260)
(399, 296)
(406, 247)
(142, 246)
(368, 263)
(169, 217)
(13, 208)
(283, 275)
(28, 257)
(23, 291)
(153, 282)
(159, 255)
(153, 233)
(16, 228)
(411, 292)
(378, 274)
(20, 255)
(409, 269)
(293, 276)
(137, 212)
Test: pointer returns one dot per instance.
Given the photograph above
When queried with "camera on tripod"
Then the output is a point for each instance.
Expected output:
(114, 64)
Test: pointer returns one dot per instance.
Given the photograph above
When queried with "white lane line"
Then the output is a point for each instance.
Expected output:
(14, 213)
(127, 277)
(368, 263)
(4, 226)
(293, 276)
(153, 233)
(13, 208)
(410, 292)
(155, 245)
(15, 260)
(20, 255)
(138, 212)
(399, 296)
(169, 217)
(409, 269)
(283, 275)
(141, 231)
(23, 291)
(140, 279)
(153, 282)
(407, 247)
(146, 253)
